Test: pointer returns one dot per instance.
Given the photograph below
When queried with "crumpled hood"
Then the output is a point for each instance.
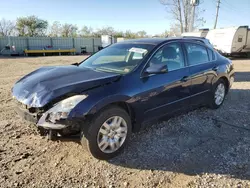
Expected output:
(45, 84)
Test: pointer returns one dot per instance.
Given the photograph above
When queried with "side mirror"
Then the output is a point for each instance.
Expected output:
(157, 69)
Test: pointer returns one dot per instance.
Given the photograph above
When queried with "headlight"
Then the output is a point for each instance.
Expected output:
(61, 110)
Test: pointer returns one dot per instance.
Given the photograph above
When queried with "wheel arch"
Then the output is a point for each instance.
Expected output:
(127, 107)
(118, 100)
(225, 79)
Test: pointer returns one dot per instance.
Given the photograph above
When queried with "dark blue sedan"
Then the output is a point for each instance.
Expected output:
(115, 91)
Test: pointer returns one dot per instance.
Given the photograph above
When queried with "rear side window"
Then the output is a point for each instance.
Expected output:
(211, 55)
(197, 54)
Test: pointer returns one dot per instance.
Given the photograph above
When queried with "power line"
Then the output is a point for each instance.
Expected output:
(226, 2)
(237, 15)
(225, 6)
(231, 8)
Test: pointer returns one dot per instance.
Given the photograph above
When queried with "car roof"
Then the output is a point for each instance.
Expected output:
(147, 40)
(156, 41)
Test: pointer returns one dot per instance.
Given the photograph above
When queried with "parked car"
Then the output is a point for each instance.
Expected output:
(115, 91)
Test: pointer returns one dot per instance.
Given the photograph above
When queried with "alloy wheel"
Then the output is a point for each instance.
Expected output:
(112, 134)
(219, 94)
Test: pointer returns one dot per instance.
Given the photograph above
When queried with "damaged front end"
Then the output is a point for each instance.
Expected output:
(54, 118)
(48, 95)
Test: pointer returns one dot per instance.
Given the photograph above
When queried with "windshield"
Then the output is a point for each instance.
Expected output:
(120, 58)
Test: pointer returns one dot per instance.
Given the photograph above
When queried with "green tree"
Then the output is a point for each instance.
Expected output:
(31, 26)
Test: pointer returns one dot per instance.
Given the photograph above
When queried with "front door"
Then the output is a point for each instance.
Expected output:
(168, 92)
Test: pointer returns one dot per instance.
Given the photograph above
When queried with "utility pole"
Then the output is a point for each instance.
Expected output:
(191, 26)
(217, 13)
(193, 3)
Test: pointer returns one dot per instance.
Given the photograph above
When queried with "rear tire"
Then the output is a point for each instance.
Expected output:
(218, 94)
(104, 138)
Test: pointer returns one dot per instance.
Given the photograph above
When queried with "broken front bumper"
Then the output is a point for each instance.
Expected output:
(41, 121)
(25, 114)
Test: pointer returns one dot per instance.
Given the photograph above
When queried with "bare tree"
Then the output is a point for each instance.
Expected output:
(7, 27)
(180, 11)
(55, 30)
(69, 30)
(119, 34)
(130, 35)
(141, 34)
(166, 33)
(86, 32)
(107, 30)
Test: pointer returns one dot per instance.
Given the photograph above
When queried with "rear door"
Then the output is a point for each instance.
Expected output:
(202, 70)
(166, 93)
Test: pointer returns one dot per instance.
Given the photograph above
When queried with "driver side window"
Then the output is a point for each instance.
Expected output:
(170, 55)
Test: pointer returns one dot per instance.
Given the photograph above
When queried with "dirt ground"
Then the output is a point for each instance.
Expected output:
(204, 148)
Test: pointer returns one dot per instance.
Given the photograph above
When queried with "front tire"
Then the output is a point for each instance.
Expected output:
(108, 133)
(218, 94)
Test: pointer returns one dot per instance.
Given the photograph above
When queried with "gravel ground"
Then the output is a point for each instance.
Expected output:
(191, 150)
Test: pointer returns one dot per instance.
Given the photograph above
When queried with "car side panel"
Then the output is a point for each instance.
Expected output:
(126, 90)
(164, 94)
(109, 94)
(147, 97)
(202, 76)
(225, 69)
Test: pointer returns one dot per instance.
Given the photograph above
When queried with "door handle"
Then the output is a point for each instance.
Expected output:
(184, 79)
(215, 68)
